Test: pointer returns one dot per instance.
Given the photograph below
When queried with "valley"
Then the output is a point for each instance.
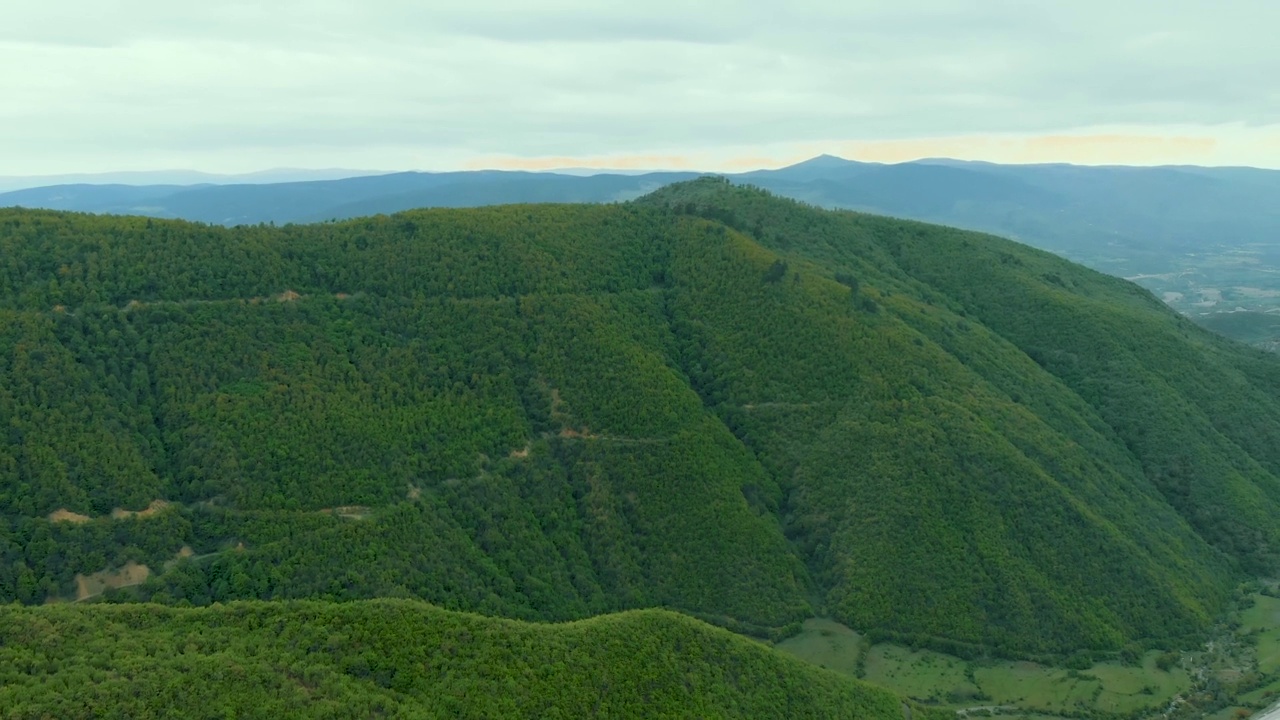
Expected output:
(498, 360)
(1235, 674)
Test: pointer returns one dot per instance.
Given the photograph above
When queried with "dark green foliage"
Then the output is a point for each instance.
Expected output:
(848, 281)
(554, 412)
(776, 272)
(398, 658)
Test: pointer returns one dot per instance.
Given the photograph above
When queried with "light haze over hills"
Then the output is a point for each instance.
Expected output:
(177, 177)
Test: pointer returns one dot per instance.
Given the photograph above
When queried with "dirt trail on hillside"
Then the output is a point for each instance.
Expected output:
(156, 506)
(586, 434)
(351, 512)
(88, 586)
(65, 515)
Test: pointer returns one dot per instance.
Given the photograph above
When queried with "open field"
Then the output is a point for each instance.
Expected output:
(826, 643)
(1109, 687)
(922, 674)
(1011, 687)
(1264, 617)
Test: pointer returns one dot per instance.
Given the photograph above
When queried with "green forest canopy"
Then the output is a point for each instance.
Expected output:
(402, 658)
(710, 400)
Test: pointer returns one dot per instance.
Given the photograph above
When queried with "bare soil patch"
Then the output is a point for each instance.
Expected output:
(351, 512)
(88, 586)
(65, 515)
(183, 553)
(155, 507)
(583, 433)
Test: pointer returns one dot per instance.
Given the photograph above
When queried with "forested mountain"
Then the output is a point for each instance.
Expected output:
(1203, 239)
(711, 400)
(403, 659)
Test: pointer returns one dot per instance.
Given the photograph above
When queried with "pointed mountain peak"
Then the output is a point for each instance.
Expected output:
(824, 161)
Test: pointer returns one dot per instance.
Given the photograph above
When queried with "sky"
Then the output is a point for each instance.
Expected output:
(228, 86)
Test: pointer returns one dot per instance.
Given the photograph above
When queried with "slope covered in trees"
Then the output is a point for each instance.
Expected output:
(402, 659)
(1199, 237)
(710, 400)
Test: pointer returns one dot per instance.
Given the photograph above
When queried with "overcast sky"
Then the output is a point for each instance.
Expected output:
(230, 86)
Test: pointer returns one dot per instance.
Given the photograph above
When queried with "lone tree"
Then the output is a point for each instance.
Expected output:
(776, 272)
(848, 281)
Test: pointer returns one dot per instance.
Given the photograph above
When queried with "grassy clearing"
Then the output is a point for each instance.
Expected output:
(1129, 688)
(1031, 685)
(1108, 687)
(1231, 712)
(1238, 671)
(1264, 617)
(922, 674)
(826, 643)
(1021, 688)
(1264, 697)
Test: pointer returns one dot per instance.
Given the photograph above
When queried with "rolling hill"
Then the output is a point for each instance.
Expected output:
(401, 658)
(711, 400)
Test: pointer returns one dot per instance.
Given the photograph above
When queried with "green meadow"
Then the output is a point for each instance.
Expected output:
(1001, 686)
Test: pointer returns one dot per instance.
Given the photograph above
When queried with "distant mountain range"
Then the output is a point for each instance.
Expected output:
(10, 183)
(318, 200)
(1074, 210)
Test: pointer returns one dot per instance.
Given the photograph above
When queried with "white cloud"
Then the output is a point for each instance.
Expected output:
(231, 86)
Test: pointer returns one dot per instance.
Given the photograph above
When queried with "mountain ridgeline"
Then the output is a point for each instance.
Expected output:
(710, 400)
(1200, 238)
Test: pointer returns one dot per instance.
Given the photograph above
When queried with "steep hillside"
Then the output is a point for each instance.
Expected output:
(399, 658)
(712, 400)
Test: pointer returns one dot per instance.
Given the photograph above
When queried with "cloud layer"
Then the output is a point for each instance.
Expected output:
(235, 86)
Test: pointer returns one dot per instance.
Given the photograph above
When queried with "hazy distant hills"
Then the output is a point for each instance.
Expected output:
(1138, 213)
(10, 183)
(1075, 210)
(235, 204)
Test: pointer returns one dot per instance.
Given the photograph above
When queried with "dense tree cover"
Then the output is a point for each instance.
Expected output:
(402, 659)
(929, 499)
(711, 400)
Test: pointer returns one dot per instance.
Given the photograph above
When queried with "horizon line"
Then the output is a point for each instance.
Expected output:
(585, 167)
